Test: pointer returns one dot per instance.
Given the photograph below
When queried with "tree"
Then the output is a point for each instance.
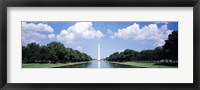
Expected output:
(57, 50)
(169, 51)
(53, 52)
(24, 55)
(66, 58)
(44, 55)
(113, 57)
(130, 54)
(159, 53)
(120, 57)
(33, 53)
(171, 46)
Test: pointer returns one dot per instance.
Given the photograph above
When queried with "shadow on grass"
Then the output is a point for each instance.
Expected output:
(167, 64)
(81, 65)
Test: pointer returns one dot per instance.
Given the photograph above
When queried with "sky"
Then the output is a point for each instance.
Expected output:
(113, 36)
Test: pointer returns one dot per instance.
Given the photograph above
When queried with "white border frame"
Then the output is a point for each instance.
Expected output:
(183, 74)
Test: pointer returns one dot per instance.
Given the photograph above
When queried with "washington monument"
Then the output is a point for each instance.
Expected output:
(99, 51)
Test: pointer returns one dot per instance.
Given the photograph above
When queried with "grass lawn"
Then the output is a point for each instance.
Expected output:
(147, 65)
(49, 65)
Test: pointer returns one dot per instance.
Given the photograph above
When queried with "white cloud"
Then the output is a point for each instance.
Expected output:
(40, 27)
(30, 36)
(79, 31)
(150, 32)
(79, 48)
(32, 32)
(51, 36)
(109, 31)
(121, 50)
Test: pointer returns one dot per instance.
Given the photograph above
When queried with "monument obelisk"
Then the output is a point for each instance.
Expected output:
(99, 51)
(99, 55)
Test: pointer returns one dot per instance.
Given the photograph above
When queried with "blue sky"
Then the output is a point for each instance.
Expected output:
(113, 36)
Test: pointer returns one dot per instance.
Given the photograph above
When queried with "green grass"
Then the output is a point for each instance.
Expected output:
(147, 65)
(48, 65)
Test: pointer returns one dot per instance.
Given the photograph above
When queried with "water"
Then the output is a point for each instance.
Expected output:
(107, 64)
(103, 64)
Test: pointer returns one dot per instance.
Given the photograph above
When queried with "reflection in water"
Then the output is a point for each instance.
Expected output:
(106, 64)
(94, 64)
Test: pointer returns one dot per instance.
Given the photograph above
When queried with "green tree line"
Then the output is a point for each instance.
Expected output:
(53, 52)
(168, 52)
